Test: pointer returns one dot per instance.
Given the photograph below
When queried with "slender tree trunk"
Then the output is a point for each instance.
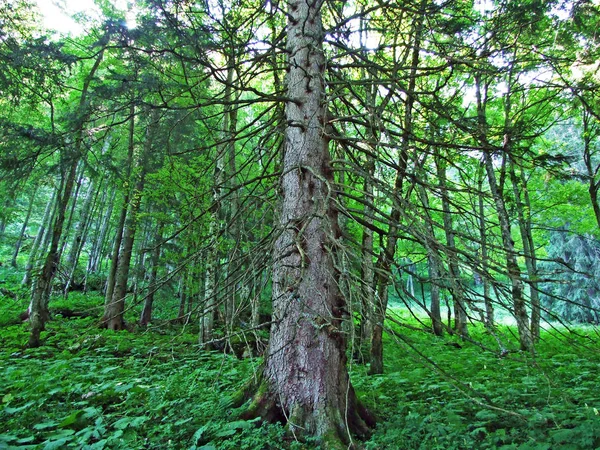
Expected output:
(208, 311)
(78, 238)
(101, 233)
(305, 380)
(13, 261)
(39, 313)
(114, 310)
(114, 260)
(74, 199)
(512, 265)
(489, 305)
(367, 251)
(386, 257)
(182, 296)
(210, 303)
(46, 224)
(456, 287)
(146, 316)
(41, 293)
(4, 217)
(434, 265)
(367, 266)
(591, 168)
(230, 129)
(523, 205)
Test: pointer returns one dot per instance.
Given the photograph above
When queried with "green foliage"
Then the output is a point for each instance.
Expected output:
(92, 388)
(476, 399)
(574, 293)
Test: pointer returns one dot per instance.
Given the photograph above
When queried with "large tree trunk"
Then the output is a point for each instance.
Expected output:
(305, 380)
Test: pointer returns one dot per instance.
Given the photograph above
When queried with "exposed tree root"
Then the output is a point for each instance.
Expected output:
(332, 427)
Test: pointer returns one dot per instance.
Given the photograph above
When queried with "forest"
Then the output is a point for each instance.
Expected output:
(311, 224)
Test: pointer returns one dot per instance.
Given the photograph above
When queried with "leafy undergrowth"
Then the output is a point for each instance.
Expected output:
(444, 393)
(96, 389)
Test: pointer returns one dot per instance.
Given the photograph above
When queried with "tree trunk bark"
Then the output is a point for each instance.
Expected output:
(78, 238)
(208, 308)
(182, 297)
(434, 265)
(74, 199)
(39, 313)
(305, 380)
(592, 169)
(101, 232)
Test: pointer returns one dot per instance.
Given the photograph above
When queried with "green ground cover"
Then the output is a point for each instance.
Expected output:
(154, 389)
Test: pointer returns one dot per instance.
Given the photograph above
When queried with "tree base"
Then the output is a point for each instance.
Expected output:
(332, 428)
(115, 324)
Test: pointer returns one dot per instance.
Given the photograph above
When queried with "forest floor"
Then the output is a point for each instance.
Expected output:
(155, 389)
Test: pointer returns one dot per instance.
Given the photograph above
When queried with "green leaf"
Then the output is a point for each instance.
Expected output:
(199, 432)
(132, 422)
(10, 411)
(45, 425)
(8, 438)
(74, 418)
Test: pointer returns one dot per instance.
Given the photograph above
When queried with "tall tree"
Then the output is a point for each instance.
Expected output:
(305, 378)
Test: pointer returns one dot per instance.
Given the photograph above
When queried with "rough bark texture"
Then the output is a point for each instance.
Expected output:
(305, 379)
